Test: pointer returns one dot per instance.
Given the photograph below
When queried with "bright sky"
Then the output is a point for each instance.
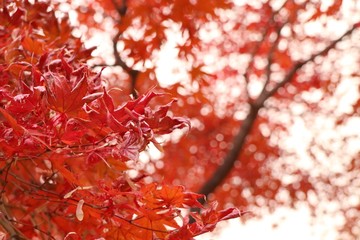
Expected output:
(292, 224)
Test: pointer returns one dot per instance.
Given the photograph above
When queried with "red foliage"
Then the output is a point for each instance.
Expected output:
(66, 148)
(251, 76)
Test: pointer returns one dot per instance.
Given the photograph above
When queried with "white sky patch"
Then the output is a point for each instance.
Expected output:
(169, 68)
(291, 224)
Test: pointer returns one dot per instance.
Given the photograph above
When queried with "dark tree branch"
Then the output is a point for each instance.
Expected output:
(289, 76)
(270, 57)
(256, 48)
(133, 74)
(7, 225)
(239, 140)
(121, 9)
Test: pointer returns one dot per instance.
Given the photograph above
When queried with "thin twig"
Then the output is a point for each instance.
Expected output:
(139, 226)
(6, 223)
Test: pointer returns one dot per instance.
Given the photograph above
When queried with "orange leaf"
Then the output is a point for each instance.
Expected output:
(12, 121)
(32, 45)
(62, 96)
(58, 162)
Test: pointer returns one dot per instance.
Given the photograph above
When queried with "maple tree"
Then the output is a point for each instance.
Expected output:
(250, 71)
(67, 148)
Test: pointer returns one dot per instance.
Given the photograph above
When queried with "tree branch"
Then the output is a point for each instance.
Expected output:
(239, 140)
(266, 94)
(270, 57)
(7, 225)
(256, 48)
(133, 74)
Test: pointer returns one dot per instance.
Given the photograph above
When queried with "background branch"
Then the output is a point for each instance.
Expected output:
(239, 140)
(289, 76)
(256, 48)
(133, 74)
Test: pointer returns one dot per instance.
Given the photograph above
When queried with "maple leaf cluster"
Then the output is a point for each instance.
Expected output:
(66, 148)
